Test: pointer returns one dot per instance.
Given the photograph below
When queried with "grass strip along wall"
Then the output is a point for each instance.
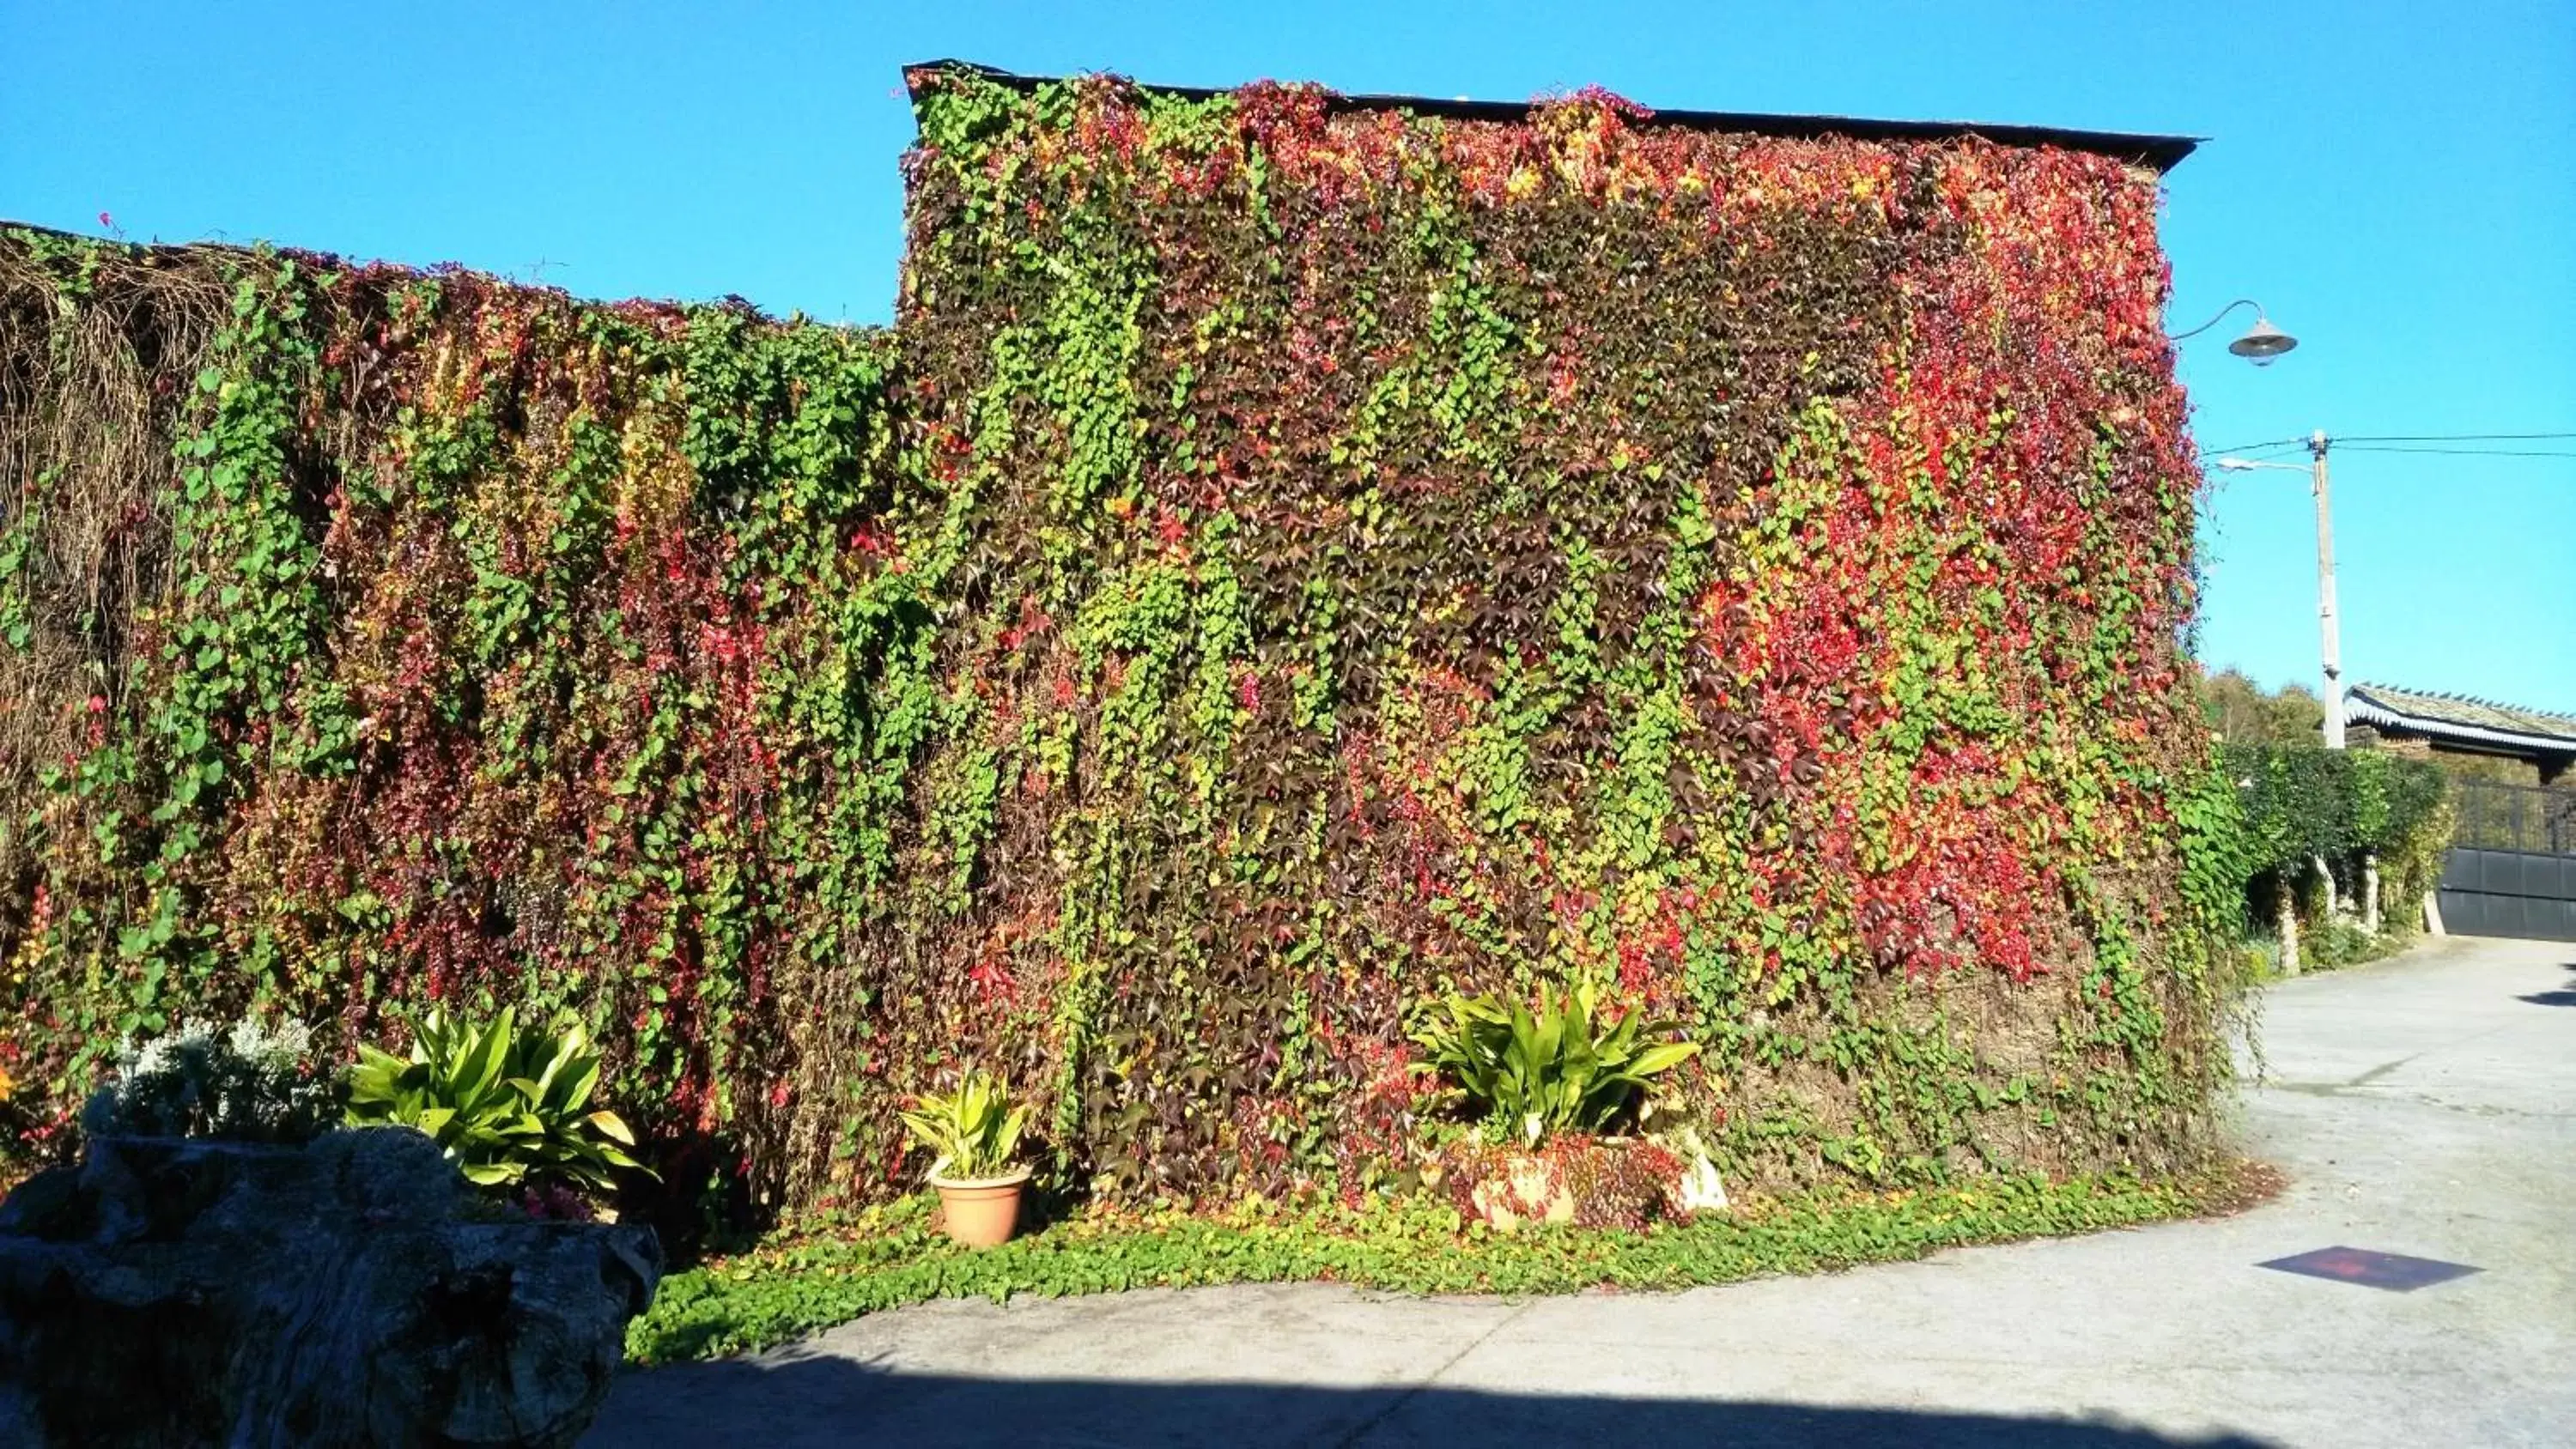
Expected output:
(1288, 560)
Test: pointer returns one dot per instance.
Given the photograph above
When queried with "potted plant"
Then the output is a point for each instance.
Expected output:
(1551, 1083)
(976, 1134)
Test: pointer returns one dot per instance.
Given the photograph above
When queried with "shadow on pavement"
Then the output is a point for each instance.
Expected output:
(826, 1400)
(2563, 996)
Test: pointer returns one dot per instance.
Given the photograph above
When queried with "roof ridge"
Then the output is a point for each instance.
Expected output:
(2462, 697)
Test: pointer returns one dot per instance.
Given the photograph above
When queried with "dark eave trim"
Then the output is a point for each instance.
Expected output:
(2162, 153)
(2520, 742)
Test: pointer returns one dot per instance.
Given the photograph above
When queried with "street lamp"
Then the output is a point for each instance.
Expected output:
(2317, 443)
(2261, 343)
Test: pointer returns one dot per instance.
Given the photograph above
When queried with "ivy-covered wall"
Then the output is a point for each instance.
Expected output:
(375, 638)
(1286, 562)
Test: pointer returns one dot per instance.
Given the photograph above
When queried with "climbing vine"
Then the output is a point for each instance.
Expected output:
(1289, 561)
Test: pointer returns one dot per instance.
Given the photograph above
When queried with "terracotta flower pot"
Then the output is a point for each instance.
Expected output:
(981, 1212)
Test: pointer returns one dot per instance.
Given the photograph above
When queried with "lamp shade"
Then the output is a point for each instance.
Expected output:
(2262, 342)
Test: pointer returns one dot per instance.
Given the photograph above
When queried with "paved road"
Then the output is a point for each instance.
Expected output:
(2425, 1105)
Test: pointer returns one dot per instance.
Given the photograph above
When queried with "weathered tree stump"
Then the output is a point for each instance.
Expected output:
(353, 1291)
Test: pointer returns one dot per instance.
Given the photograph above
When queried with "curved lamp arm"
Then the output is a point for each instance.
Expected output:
(2222, 312)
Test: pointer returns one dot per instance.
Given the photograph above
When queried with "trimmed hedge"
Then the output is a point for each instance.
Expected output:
(2353, 810)
(1286, 563)
(2302, 802)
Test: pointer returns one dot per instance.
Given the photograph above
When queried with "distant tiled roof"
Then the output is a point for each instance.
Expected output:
(2458, 716)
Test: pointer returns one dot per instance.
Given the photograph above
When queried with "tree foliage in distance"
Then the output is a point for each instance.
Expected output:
(2302, 802)
(2244, 713)
(2357, 812)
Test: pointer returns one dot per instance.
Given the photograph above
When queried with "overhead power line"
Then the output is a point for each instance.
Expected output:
(2405, 443)
(2452, 438)
(2458, 452)
(2256, 447)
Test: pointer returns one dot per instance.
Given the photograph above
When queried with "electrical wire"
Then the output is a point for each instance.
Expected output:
(2456, 452)
(2255, 447)
(2408, 443)
(2456, 438)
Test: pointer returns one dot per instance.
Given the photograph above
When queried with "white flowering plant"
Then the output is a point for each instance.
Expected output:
(254, 1083)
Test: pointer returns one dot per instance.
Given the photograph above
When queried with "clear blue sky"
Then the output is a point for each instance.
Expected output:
(2393, 181)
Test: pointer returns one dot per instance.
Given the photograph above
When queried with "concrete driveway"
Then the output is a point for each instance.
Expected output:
(2424, 1106)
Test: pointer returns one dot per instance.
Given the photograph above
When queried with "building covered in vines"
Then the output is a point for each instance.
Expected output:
(1292, 557)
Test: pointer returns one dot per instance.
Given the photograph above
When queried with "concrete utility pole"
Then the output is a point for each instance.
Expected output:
(2318, 442)
(2326, 595)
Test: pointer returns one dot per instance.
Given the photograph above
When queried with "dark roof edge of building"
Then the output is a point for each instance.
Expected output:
(2163, 153)
(2390, 705)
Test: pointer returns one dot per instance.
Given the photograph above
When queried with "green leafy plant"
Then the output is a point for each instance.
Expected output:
(1560, 1068)
(507, 1106)
(974, 1130)
(253, 1083)
(888, 1256)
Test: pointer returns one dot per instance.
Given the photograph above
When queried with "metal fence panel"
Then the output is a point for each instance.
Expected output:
(2496, 816)
(2526, 894)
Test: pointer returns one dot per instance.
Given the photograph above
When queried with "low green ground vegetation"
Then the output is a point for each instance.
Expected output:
(837, 1270)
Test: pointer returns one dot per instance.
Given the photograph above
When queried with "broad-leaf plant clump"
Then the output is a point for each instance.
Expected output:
(509, 1105)
(1562, 1066)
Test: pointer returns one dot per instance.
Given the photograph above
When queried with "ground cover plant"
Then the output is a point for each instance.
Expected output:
(1288, 563)
(888, 1257)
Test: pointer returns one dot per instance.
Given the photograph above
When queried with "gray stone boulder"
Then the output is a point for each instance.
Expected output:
(353, 1291)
